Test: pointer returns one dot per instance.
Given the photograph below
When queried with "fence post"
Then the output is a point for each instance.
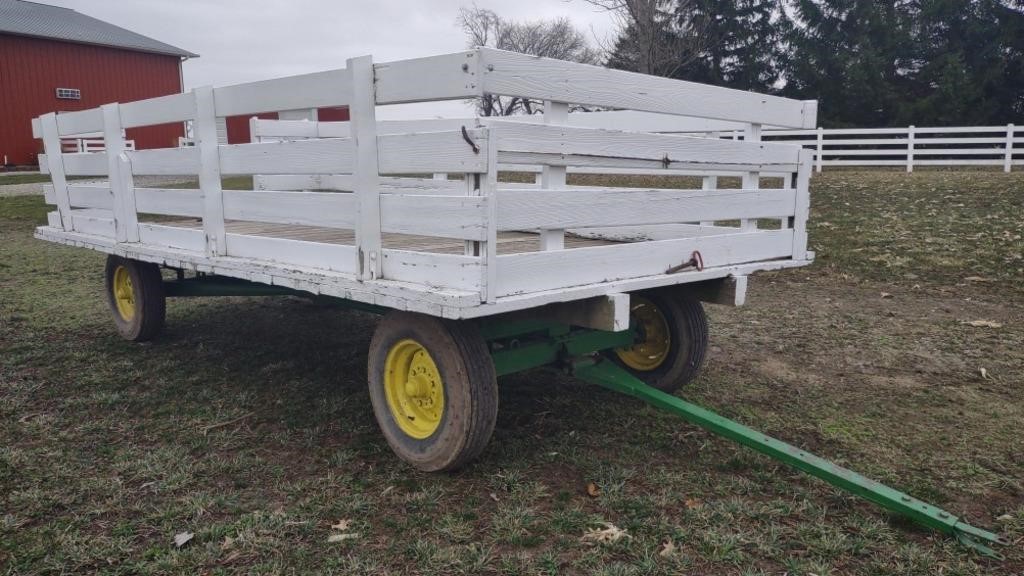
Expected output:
(910, 148)
(821, 148)
(1008, 160)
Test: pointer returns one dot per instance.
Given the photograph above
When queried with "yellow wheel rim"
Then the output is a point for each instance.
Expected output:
(655, 340)
(124, 294)
(413, 388)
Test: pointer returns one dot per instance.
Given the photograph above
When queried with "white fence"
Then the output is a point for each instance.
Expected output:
(89, 144)
(909, 147)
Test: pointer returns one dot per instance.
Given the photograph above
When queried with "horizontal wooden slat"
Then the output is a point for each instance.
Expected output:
(79, 122)
(160, 110)
(169, 201)
(326, 209)
(317, 156)
(172, 236)
(516, 74)
(94, 222)
(531, 208)
(336, 257)
(317, 90)
(83, 196)
(537, 271)
(85, 164)
(165, 161)
(388, 184)
(444, 77)
(648, 232)
(566, 141)
(441, 270)
(462, 217)
(432, 152)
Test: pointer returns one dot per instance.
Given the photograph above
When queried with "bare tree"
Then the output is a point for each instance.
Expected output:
(549, 38)
(652, 39)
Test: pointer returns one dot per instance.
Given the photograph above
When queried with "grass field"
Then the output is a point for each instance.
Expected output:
(247, 423)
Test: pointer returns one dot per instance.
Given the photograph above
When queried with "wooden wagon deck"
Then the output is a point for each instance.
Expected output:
(508, 242)
(342, 209)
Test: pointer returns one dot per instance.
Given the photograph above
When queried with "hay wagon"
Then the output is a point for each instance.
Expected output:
(474, 277)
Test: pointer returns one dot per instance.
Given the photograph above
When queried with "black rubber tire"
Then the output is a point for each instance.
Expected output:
(148, 293)
(470, 390)
(688, 329)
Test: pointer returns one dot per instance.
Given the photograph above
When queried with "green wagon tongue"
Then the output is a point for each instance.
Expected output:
(611, 376)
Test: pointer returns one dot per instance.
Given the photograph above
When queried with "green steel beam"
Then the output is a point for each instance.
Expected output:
(612, 377)
(222, 286)
(558, 343)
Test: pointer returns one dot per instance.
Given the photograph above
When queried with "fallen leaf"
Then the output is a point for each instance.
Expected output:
(342, 525)
(692, 503)
(182, 538)
(231, 557)
(1005, 518)
(610, 534)
(494, 497)
(667, 549)
(592, 490)
(342, 537)
(984, 324)
(227, 543)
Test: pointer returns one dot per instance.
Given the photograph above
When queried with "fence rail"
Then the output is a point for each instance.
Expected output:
(911, 146)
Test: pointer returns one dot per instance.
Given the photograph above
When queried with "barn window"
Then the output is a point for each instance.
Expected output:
(69, 93)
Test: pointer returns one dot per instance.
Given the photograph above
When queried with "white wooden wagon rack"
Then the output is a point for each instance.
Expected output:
(475, 278)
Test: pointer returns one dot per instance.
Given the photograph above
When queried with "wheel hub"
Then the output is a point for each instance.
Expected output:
(413, 388)
(654, 339)
(124, 293)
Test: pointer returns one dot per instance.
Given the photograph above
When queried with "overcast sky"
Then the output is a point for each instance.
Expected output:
(244, 40)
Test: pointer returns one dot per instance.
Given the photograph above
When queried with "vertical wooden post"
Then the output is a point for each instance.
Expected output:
(910, 148)
(126, 221)
(553, 176)
(254, 137)
(366, 180)
(55, 162)
(802, 208)
(1008, 159)
(204, 128)
(489, 250)
(751, 180)
(788, 182)
(821, 149)
(710, 182)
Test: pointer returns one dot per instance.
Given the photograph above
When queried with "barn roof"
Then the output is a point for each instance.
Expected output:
(44, 21)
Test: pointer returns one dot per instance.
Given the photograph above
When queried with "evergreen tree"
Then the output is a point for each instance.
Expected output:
(853, 56)
(743, 42)
(971, 65)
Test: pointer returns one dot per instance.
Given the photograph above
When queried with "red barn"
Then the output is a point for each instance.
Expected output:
(54, 58)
